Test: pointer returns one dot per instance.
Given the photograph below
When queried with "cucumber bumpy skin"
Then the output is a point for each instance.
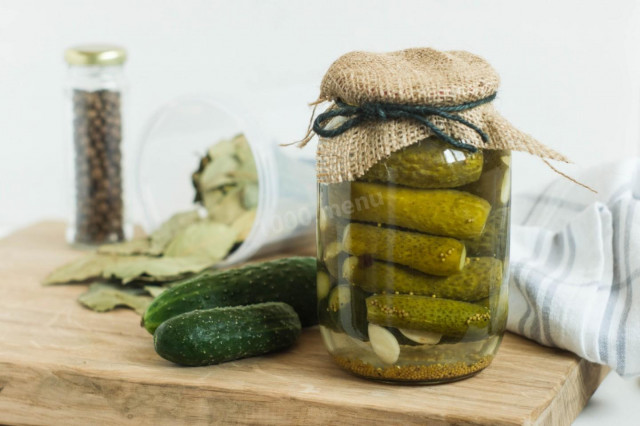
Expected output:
(443, 212)
(429, 163)
(495, 237)
(447, 317)
(479, 276)
(426, 253)
(494, 184)
(218, 335)
(498, 303)
(290, 280)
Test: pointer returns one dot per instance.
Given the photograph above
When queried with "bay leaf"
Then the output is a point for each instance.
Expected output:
(155, 290)
(243, 151)
(223, 147)
(215, 172)
(127, 248)
(169, 229)
(219, 182)
(250, 196)
(228, 208)
(81, 269)
(211, 199)
(205, 239)
(155, 268)
(241, 176)
(102, 297)
(243, 224)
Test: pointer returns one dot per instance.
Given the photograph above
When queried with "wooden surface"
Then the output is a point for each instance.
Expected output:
(63, 364)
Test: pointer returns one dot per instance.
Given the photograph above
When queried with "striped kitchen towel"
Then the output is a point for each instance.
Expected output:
(575, 266)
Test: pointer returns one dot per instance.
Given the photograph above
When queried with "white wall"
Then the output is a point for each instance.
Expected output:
(569, 69)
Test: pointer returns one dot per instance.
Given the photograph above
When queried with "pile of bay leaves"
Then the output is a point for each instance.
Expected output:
(132, 273)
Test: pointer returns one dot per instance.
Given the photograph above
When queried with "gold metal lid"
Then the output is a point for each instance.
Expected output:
(95, 54)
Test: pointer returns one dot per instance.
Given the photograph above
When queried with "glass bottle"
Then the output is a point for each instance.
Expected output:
(95, 90)
(413, 263)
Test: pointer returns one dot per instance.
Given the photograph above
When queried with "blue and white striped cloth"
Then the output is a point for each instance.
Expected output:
(575, 266)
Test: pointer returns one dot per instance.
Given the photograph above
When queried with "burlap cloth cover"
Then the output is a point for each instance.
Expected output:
(420, 76)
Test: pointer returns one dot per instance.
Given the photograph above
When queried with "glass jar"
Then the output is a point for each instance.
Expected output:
(95, 89)
(413, 264)
(188, 127)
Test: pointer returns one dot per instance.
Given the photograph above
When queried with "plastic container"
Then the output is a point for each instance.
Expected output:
(413, 264)
(182, 130)
(95, 89)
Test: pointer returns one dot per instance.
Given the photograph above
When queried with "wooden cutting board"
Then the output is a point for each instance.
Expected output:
(63, 364)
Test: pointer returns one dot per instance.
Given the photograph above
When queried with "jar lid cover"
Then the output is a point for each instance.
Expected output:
(95, 54)
(383, 102)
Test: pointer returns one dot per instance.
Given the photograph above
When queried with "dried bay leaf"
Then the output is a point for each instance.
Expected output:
(250, 196)
(244, 176)
(229, 207)
(211, 199)
(105, 297)
(206, 239)
(161, 237)
(81, 269)
(155, 268)
(243, 224)
(128, 248)
(215, 173)
(223, 147)
(155, 290)
(243, 151)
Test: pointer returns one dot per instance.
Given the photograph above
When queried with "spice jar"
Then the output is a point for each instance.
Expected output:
(95, 88)
(414, 183)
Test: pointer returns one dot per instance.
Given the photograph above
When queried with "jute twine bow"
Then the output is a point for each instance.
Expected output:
(356, 115)
(385, 111)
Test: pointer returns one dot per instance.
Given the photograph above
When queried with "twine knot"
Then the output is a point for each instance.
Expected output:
(375, 111)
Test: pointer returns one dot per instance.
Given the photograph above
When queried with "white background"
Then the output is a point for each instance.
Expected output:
(570, 72)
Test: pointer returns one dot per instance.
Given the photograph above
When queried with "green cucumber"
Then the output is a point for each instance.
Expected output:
(443, 316)
(290, 280)
(478, 277)
(429, 254)
(212, 336)
(443, 212)
(430, 163)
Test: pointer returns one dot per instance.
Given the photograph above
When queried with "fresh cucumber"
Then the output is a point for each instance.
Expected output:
(290, 280)
(212, 336)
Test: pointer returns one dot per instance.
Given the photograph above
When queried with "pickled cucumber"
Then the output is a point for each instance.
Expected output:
(475, 281)
(493, 158)
(339, 298)
(426, 253)
(492, 242)
(495, 183)
(330, 225)
(323, 285)
(498, 303)
(346, 311)
(444, 316)
(443, 212)
(331, 257)
(429, 163)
